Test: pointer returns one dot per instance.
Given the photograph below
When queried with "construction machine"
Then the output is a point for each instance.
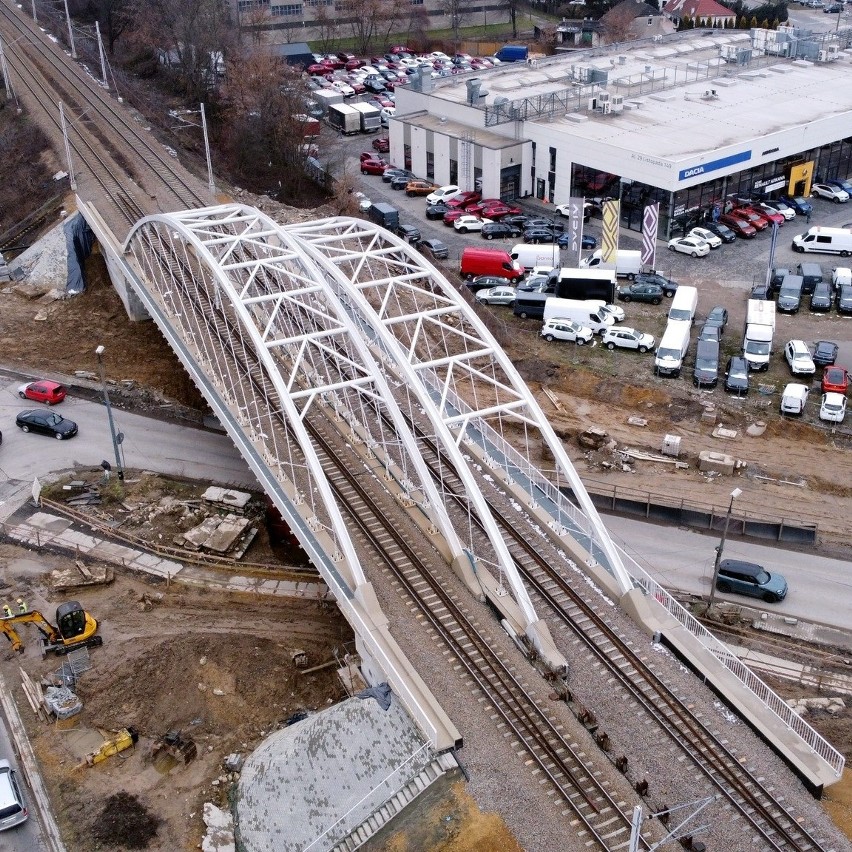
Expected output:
(75, 628)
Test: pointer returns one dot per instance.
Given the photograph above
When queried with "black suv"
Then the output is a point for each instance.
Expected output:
(823, 297)
(540, 235)
(409, 233)
(499, 230)
(669, 286)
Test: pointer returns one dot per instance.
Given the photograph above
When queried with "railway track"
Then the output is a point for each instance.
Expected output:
(100, 130)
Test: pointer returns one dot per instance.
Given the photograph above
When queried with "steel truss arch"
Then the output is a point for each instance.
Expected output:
(291, 318)
(461, 375)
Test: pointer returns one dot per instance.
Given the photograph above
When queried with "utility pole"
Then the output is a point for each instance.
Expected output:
(117, 438)
(72, 181)
(734, 494)
(101, 54)
(210, 184)
(70, 33)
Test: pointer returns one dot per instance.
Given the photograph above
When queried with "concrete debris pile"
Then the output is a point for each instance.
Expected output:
(79, 575)
(224, 536)
(802, 706)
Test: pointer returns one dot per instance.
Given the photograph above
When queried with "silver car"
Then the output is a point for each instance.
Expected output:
(496, 296)
(13, 808)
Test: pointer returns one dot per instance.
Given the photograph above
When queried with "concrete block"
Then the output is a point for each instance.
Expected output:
(708, 461)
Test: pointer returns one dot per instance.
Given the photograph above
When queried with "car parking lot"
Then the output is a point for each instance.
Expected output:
(724, 277)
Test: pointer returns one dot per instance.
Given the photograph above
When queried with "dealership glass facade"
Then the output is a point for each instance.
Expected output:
(686, 208)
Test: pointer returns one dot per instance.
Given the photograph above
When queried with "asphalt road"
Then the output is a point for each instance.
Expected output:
(28, 836)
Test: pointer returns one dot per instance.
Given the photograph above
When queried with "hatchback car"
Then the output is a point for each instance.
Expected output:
(723, 232)
(48, 392)
(499, 230)
(669, 286)
(825, 353)
(46, 423)
(692, 246)
(833, 407)
(566, 329)
(708, 236)
(13, 807)
(410, 233)
(748, 578)
(436, 248)
(373, 167)
(757, 220)
(627, 338)
(419, 187)
(832, 193)
(740, 227)
(767, 214)
(381, 144)
(799, 358)
(823, 297)
(639, 292)
(835, 379)
(736, 376)
(502, 295)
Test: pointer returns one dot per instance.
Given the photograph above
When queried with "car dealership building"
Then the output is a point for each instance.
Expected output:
(689, 121)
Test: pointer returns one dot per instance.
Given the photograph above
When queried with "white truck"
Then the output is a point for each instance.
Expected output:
(585, 313)
(628, 264)
(530, 255)
(371, 117)
(759, 331)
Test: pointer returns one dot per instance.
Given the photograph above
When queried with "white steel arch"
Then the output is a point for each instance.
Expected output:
(311, 352)
(462, 377)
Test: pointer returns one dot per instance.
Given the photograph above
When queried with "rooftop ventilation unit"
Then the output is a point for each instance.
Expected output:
(474, 90)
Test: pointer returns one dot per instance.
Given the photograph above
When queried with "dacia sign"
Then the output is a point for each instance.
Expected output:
(713, 165)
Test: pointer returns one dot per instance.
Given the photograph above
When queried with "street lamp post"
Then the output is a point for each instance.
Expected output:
(115, 437)
(734, 494)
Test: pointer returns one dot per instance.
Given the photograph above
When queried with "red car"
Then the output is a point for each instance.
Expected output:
(498, 210)
(373, 167)
(400, 48)
(43, 391)
(319, 70)
(758, 222)
(464, 199)
(739, 226)
(382, 144)
(769, 215)
(835, 379)
(354, 64)
(370, 155)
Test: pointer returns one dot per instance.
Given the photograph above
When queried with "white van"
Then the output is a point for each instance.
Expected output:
(841, 276)
(794, 398)
(628, 263)
(530, 255)
(684, 305)
(589, 315)
(672, 349)
(825, 240)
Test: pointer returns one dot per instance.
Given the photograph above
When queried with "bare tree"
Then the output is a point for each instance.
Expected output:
(326, 25)
(114, 17)
(373, 19)
(455, 11)
(616, 23)
(512, 7)
(256, 21)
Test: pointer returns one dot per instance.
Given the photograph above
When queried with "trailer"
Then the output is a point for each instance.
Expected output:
(583, 284)
(326, 97)
(371, 117)
(344, 118)
(309, 128)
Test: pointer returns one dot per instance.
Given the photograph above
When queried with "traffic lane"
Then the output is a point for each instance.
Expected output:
(820, 588)
(27, 837)
(148, 444)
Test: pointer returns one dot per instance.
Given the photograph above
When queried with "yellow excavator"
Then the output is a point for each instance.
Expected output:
(75, 628)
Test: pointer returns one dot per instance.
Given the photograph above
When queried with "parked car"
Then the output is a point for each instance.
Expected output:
(723, 232)
(830, 192)
(381, 144)
(410, 233)
(840, 183)
(709, 237)
(833, 8)
(748, 578)
(436, 248)
(718, 317)
(710, 332)
(706, 371)
(825, 353)
(835, 379)
(767, 215)
(499, 209)
(498, 230)
(638, 291)
(689, 245)
(832, 407)
(844, 299)
(736, 376)
(799, 358)
(419, 187)
(443, 193)
(503, 295)
(794, 398)
(436, 211)
(469, 223)
(13, 806)
(46, 423)
(740, 227)
(800, 204)
(43, 390)
(822, 297)
(464, 198)
(540, 222)
(482, 282)
(454, 214)
(344, 88)
(540, 235)
(587, 241)
(373, 167)
(374, 83)
(400, 181)
(392, 172)
(779, 207)
(566, 329)
(760, 290)
(669, 286)
(627, 338)
(755, 219)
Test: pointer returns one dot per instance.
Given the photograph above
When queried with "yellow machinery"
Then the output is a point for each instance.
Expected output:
(75, 628)
(123, 739)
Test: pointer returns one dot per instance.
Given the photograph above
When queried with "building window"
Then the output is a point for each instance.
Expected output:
(318, 2)
(552, 160)
(287, 10)
(430, 165)
(416, 2)
(454, 171)
(248, 5)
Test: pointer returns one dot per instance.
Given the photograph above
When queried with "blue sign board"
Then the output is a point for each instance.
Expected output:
(713, 165)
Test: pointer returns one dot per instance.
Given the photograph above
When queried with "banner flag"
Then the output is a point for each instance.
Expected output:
(611, 212)
(575, 229)
(650, 225)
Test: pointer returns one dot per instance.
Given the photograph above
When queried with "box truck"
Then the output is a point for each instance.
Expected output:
(344, 118)
(384, 215)
(589, 315)
(530, 255)
(759, 331)
(326, 97)
(583, 284)
(371, 117)
(628, 263)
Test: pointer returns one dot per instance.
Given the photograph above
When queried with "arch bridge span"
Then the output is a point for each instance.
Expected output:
(340, 320)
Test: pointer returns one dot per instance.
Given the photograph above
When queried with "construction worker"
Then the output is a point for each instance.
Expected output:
(22, 606)
(7, 611)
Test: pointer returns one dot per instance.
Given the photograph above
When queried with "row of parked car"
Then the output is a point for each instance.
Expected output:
(789, 286)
